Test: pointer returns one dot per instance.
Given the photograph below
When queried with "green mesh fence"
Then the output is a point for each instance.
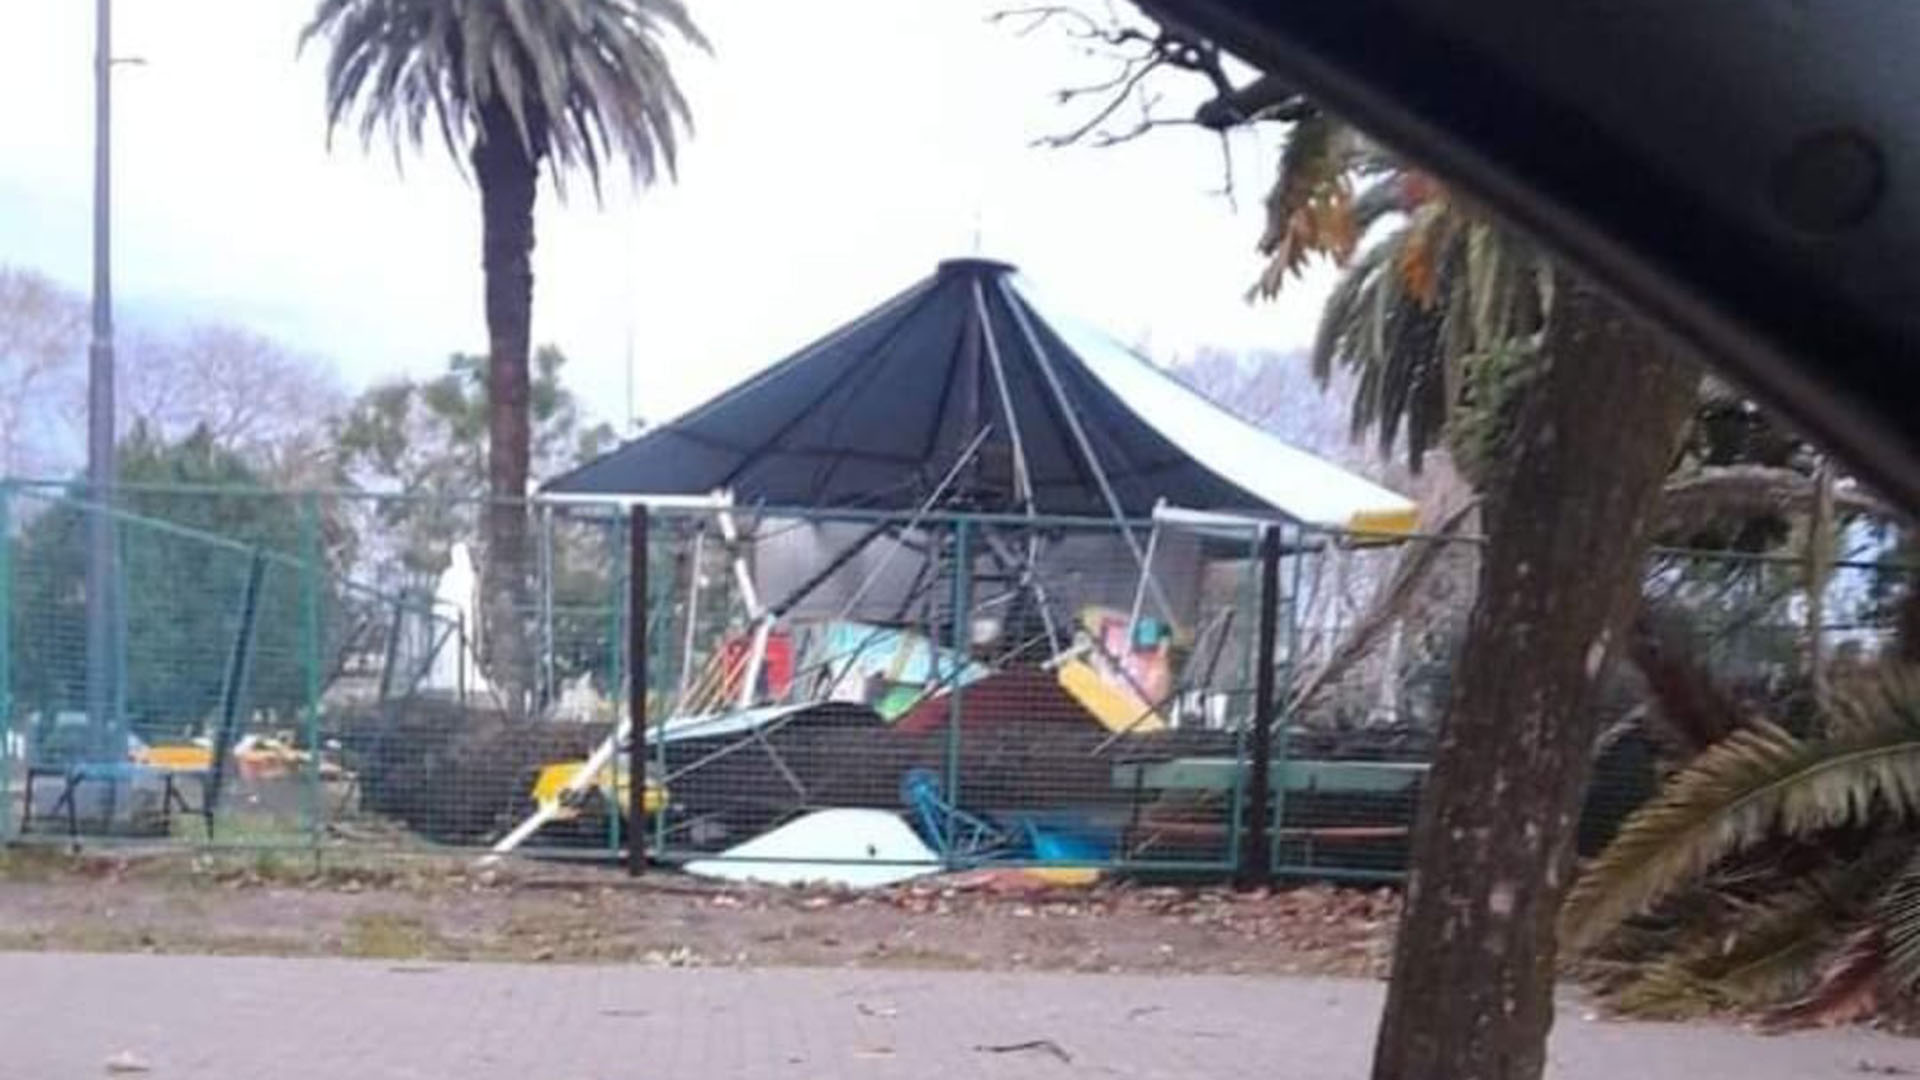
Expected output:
(936, 691)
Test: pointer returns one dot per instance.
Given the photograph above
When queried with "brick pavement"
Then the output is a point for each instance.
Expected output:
(63, 1016)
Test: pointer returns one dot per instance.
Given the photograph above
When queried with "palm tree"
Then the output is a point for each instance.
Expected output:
(1571, 411)
(1440, 314)
(1772, 866)
(510, 86)
(1444, 316)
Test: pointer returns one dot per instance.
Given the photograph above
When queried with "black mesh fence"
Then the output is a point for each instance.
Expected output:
(827, 694)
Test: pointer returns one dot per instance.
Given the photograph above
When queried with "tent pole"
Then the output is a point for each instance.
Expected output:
(730, 533)
(834, 565)
(1030, 580)
(1022, 478)
(926, 507)
(1072, 418)
(694, 576)
(1022, 473)
(762, 623)
(1140, 590)
(548, 692)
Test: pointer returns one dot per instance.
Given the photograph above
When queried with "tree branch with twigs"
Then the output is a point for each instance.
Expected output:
(1141, 50)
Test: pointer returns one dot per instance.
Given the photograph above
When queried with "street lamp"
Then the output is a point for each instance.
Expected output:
(102, 694)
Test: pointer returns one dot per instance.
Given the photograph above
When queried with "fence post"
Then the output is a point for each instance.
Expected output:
(960, 639)
(546, 692)
(233, 691)
(1286, 682)
(6, 662)
(1256, 857)
(310, 663)
(637, 691)
(614, 639)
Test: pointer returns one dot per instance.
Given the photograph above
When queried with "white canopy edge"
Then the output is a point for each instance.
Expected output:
(1306, 488)
(1210, 522)
(718, 500)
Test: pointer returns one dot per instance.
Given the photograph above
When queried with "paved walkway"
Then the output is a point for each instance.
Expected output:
(66, 1016)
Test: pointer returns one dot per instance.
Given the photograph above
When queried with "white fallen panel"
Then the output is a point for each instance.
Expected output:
(857, 849)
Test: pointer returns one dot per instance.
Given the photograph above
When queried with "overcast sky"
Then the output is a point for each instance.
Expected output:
(842, 147)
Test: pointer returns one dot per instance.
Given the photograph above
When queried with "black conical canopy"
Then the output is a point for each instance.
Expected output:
(961, 378)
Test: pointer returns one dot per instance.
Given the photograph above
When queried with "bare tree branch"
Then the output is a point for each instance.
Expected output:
(1168, 44)
(1226, 190)
(1104, 139)
(1128, 73)
(1125, 92)
(1265, 98)
(1042, 15)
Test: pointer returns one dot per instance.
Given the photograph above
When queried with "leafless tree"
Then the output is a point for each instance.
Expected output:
(257, 398)
(43, 341)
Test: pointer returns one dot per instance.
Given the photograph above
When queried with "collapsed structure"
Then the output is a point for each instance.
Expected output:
(979, 525)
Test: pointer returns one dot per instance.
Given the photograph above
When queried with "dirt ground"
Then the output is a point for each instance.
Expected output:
(421, 909)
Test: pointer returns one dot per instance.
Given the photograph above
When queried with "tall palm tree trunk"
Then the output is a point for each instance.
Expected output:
(1569, 510)
(508, 177)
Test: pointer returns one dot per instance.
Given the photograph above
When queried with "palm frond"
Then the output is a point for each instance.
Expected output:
(1341, 317)
(1425, 250)
(1750, 785)
(1848, 988)
(1439, 295)
(1753, 953)
(586, 82)
(1377, 202)
(1309, 208)
(1898, 915)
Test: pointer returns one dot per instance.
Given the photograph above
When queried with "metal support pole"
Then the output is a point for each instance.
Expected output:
(548, 690)
(392, 652)
(233, 692)
(460, 663)
(6, 663)
(961, 642)
(1146, 575)
(1256, 857)
(311, 567)
(1091, 459)
(102, 695)
(637, 691)
(696, 573)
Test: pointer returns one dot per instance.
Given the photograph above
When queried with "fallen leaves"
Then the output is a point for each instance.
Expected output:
(993, 918)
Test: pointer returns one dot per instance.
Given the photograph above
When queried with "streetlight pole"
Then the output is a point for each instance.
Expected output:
(102, 695)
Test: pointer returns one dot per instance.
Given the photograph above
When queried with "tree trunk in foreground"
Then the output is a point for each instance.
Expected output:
(508, 178)
(1568, 512)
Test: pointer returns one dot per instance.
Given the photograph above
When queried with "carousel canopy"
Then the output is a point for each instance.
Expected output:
(968, 390)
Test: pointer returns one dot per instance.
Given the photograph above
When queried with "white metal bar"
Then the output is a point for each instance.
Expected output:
(749, 595)
(601, 757)
(919, 513)
(756, 660)
(718, 500)
(1140, 589)
(1079, 433)
(1022, 471)
(1022, 478)
(695, 575)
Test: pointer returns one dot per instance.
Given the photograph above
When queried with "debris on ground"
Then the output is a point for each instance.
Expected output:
(429, 912)
(1046, 1046)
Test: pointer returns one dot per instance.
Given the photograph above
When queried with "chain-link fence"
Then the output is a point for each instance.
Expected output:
(826, 693)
